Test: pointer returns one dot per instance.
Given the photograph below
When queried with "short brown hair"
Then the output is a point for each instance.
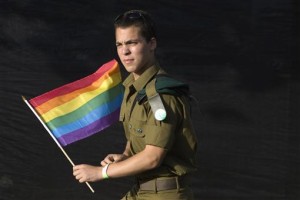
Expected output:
(137, 18)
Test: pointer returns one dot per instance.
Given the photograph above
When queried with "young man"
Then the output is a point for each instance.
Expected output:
(155, 112)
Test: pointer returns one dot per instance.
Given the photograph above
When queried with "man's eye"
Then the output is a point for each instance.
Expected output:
(132, 43)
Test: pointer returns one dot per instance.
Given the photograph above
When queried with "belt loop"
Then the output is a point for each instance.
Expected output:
(155, 185)
(177, 183)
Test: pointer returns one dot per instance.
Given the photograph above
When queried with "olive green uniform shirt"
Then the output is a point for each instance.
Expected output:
(174, 134)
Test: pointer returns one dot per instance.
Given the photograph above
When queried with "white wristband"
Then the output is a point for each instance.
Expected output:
(104, 172)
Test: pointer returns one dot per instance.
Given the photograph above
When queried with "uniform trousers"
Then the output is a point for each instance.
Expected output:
(159, 190)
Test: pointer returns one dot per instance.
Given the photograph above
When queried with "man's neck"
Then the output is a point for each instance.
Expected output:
(147, 66)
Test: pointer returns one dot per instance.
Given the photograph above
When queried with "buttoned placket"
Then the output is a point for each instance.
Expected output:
(131, 93)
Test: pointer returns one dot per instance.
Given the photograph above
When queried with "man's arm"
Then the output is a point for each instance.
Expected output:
(150, 158)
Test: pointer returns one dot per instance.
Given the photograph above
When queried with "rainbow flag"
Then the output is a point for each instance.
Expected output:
(82, 108)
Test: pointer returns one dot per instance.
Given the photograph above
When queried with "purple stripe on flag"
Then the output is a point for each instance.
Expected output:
(91, 129)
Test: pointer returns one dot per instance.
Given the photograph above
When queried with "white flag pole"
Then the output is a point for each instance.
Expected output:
(53, 137)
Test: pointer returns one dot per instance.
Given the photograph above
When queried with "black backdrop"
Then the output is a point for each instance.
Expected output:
(240, 58)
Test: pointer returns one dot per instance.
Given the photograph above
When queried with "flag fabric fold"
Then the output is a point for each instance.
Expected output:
(84, 107)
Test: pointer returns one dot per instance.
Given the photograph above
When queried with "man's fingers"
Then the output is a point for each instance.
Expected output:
(78, 176)
(82, 181)
(103, 163)
(106, 161)
(77, 172)
(109, 159)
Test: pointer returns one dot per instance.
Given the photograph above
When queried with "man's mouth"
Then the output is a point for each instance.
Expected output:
(128, 61)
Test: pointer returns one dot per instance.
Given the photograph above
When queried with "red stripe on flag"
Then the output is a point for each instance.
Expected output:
(81, 83)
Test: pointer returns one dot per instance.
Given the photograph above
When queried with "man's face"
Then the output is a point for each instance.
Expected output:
(135, 53)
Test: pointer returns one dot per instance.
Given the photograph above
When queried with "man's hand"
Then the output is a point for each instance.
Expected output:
(111, 158)
(87, 173)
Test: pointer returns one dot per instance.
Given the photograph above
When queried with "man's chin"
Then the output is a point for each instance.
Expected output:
(129, 68)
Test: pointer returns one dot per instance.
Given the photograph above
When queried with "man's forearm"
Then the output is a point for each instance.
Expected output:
(148, 159)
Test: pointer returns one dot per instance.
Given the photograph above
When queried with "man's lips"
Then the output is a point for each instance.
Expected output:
(127, 61)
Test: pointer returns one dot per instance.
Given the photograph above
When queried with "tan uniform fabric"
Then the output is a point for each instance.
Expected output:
(176, 194)
(175, 133)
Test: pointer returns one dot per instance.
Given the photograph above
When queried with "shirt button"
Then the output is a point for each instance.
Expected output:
(130, 126)
(139, 130)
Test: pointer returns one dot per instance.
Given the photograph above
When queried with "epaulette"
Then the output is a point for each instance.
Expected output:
(161, 84)
(164, 84)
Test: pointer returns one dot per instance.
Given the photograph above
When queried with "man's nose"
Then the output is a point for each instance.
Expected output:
(125, 50)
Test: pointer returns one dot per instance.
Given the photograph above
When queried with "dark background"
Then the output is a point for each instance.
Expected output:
(241, 59)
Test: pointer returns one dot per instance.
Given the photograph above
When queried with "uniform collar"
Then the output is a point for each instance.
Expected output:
(142, 81)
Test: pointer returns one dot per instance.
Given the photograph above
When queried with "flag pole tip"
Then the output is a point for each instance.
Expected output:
(24, 99)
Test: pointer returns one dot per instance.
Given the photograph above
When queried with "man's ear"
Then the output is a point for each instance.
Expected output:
(152, 43)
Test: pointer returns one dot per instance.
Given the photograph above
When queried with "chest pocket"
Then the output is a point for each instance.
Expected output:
(138, 121)
(137, 128)
(138, 124)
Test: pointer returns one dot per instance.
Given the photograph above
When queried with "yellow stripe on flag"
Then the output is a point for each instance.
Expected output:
(77, 102)
(59, 100)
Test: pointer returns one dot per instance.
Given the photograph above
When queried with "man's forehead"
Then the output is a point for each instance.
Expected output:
(131, 30)
(125, 35)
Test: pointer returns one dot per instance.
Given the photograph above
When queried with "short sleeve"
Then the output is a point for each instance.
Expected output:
(162, 133)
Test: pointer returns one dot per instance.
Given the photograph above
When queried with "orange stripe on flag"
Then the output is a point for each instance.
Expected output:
(57, 101)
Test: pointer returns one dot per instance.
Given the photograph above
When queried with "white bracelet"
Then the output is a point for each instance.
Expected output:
(104, 172)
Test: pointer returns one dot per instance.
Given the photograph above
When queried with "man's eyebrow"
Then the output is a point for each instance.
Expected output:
(128, 41)
(131, 41)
